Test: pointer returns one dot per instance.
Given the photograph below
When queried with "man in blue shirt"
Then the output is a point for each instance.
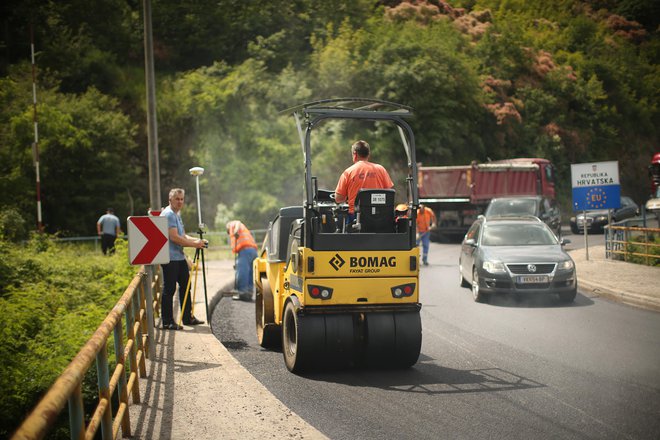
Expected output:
(176, 271)
(108, 228)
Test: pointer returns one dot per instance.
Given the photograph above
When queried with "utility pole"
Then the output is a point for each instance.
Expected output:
(152, 126)
(154, 168)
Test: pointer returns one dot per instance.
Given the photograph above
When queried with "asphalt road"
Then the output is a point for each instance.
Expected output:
(578, 240)
(504, 370)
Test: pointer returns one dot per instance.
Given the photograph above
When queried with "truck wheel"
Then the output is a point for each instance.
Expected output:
(303, 339)
(408, 338)
(269, 334)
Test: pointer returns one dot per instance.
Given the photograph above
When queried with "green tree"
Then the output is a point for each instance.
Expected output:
(87, 154)
(420, 66)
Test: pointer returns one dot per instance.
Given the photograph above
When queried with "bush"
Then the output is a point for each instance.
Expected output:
(637, 246)
(12, 225)
(53, 297)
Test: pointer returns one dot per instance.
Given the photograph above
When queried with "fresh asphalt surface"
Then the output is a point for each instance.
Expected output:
(505, 370)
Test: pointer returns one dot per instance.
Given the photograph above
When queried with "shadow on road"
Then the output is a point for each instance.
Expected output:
(426, 377)
(537, 301)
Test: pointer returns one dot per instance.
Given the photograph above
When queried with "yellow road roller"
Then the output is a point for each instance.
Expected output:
(334, 293)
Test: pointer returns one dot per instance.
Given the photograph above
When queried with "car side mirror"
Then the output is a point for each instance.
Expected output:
(470, 242)
(564, 241)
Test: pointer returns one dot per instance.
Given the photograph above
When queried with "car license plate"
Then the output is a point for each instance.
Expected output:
(581, 222)
(533, 279)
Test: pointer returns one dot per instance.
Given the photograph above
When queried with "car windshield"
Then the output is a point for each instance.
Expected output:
(512, 207)
(517, 235)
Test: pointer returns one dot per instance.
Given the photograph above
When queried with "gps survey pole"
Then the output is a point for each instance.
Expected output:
(198, 171)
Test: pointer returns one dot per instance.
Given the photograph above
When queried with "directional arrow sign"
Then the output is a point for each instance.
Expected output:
(147, 240)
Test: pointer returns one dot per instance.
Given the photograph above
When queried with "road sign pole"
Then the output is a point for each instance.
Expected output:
(149, 299)
(595, 186)
(584, 226)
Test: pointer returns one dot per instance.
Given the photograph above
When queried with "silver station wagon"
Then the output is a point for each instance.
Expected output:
(518, 255)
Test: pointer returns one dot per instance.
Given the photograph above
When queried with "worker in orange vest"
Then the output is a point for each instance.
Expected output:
(425, 222)
(243, 245)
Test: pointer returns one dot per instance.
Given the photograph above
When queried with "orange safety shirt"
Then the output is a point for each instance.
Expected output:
(241, 237)
(425, 220)
(362, 174)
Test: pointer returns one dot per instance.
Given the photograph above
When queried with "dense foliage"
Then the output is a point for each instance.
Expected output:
(573, 81)
(53, 298)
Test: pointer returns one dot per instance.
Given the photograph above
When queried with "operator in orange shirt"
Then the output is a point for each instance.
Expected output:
(362, 174)
(425, 222)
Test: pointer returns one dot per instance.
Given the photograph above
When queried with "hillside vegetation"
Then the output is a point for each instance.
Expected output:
(572, 81)
(52, 299)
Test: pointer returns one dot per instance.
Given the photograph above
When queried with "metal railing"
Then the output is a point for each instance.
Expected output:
(218, 239)
(625, 242)
(135, 310)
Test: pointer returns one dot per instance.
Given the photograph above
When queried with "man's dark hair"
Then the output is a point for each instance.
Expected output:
(361, 148)
(110, 210)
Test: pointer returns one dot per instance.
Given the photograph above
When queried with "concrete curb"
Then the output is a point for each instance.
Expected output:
(619, 281)
(628, 298)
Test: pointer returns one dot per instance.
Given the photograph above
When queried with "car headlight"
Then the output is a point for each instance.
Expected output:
(566, 265)
(494, 267)
(601, 218)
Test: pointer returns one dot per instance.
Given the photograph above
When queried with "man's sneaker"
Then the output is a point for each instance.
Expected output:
(425, 263)
(246, 296)
(193, 321)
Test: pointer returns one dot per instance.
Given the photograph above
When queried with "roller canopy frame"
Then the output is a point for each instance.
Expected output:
(309, 115)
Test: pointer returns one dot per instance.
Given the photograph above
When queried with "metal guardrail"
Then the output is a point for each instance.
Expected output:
(135, 309)
(620, 243)
(218, 239)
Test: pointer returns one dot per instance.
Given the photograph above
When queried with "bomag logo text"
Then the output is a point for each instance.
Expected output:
(364, 262)
(363, 265)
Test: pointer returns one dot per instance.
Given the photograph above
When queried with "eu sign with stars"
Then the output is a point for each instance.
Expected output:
(595, 186)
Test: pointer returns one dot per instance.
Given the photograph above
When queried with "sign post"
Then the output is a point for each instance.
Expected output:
(148, 245)
(595, 186)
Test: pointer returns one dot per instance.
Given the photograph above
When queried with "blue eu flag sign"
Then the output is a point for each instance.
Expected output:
(596, 186)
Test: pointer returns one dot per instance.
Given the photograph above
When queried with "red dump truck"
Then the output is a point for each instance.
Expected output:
(458, 194)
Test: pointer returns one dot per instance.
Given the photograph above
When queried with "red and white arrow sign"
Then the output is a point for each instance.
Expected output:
(147, 240)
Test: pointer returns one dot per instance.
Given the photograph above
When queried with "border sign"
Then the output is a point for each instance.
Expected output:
(147, 240)
(595, 186)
